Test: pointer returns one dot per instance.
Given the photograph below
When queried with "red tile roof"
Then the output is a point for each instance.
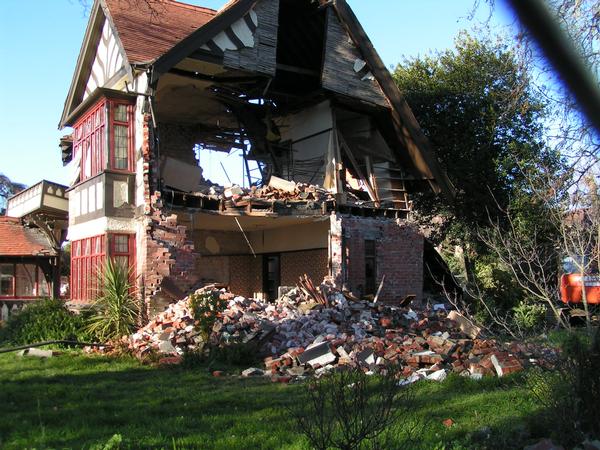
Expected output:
(153, 27)
(17, 239)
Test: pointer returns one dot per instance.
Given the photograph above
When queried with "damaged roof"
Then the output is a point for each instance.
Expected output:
(17, 239)
(161, 33)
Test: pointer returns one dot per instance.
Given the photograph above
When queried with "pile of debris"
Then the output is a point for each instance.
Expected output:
(278, 189)
(277, 196)
(315, 330)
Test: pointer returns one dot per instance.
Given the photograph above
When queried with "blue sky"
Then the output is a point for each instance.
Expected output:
(40, 41)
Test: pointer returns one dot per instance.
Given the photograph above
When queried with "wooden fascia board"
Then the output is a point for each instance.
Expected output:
(83, 67)
(407, 127)
(199, 37)
(93, 98)
(115, 31)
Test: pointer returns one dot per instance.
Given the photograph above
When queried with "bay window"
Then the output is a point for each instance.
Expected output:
(103, 138)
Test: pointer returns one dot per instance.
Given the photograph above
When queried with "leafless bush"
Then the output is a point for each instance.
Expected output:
(348, 410)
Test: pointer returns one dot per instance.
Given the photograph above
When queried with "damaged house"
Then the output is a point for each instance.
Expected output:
(331, 151)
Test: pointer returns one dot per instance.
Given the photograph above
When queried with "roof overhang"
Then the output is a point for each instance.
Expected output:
(93, 98)
(224, 18)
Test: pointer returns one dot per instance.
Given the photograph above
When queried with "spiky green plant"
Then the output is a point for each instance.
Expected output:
(115, 307)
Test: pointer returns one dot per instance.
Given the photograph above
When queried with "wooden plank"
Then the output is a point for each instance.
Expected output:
(338, 66)
(372, 178)
(354, 163)
(262, 57)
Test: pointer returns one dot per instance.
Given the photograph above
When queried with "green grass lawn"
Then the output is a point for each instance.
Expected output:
(76, 401)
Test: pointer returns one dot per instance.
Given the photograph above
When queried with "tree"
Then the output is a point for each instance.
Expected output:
(572, 132)
(7, 189)
(477, 107)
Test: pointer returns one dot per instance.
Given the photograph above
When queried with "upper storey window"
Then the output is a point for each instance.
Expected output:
(121, 127)
(103, 138)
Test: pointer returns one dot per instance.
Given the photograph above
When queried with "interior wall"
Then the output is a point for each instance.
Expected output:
(310, 155)
(226, 258)
(293, 238)
(307, 236)
(177, 141)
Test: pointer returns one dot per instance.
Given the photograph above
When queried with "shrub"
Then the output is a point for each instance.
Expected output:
(348, 409)
(570, 394)
(115, 309)
(206, 308)
(529, 316)
(44, 320)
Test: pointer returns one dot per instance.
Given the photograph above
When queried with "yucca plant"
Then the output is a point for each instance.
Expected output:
(115, 309)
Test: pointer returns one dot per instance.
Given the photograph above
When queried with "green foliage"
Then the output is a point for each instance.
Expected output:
(115, 309)
(114, 443)
(529, 316)
(45, 320)
(206, 308)
(497, 283)
(232, 355)
(478, 109)
(570, 393)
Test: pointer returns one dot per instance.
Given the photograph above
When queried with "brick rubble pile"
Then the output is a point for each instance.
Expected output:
(300, 335)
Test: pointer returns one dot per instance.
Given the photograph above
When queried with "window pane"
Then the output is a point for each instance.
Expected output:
(6, 279)
(44, 290)
(120, 147)
(121, 243)
(121, 113)
(122, 261)
(87, 158)
(25, 280)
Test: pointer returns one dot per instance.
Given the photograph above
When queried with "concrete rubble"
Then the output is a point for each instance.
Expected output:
(298, 336)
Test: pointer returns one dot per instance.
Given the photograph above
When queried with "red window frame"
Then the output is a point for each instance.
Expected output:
(87, 255)
(90, 140)
(130, 134)
(129, 253)
(37, 282)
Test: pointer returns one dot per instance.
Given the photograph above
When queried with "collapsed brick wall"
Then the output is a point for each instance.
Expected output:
(170, 257)
(167, 256)
(310, 262)
(398, 255)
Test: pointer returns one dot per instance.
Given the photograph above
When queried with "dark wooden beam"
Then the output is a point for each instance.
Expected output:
(206, 56)
(213, 78)
(295, 69)
(199, 37)
(407, 128)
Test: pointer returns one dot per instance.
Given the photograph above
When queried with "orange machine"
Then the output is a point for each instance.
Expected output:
(571, 288)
